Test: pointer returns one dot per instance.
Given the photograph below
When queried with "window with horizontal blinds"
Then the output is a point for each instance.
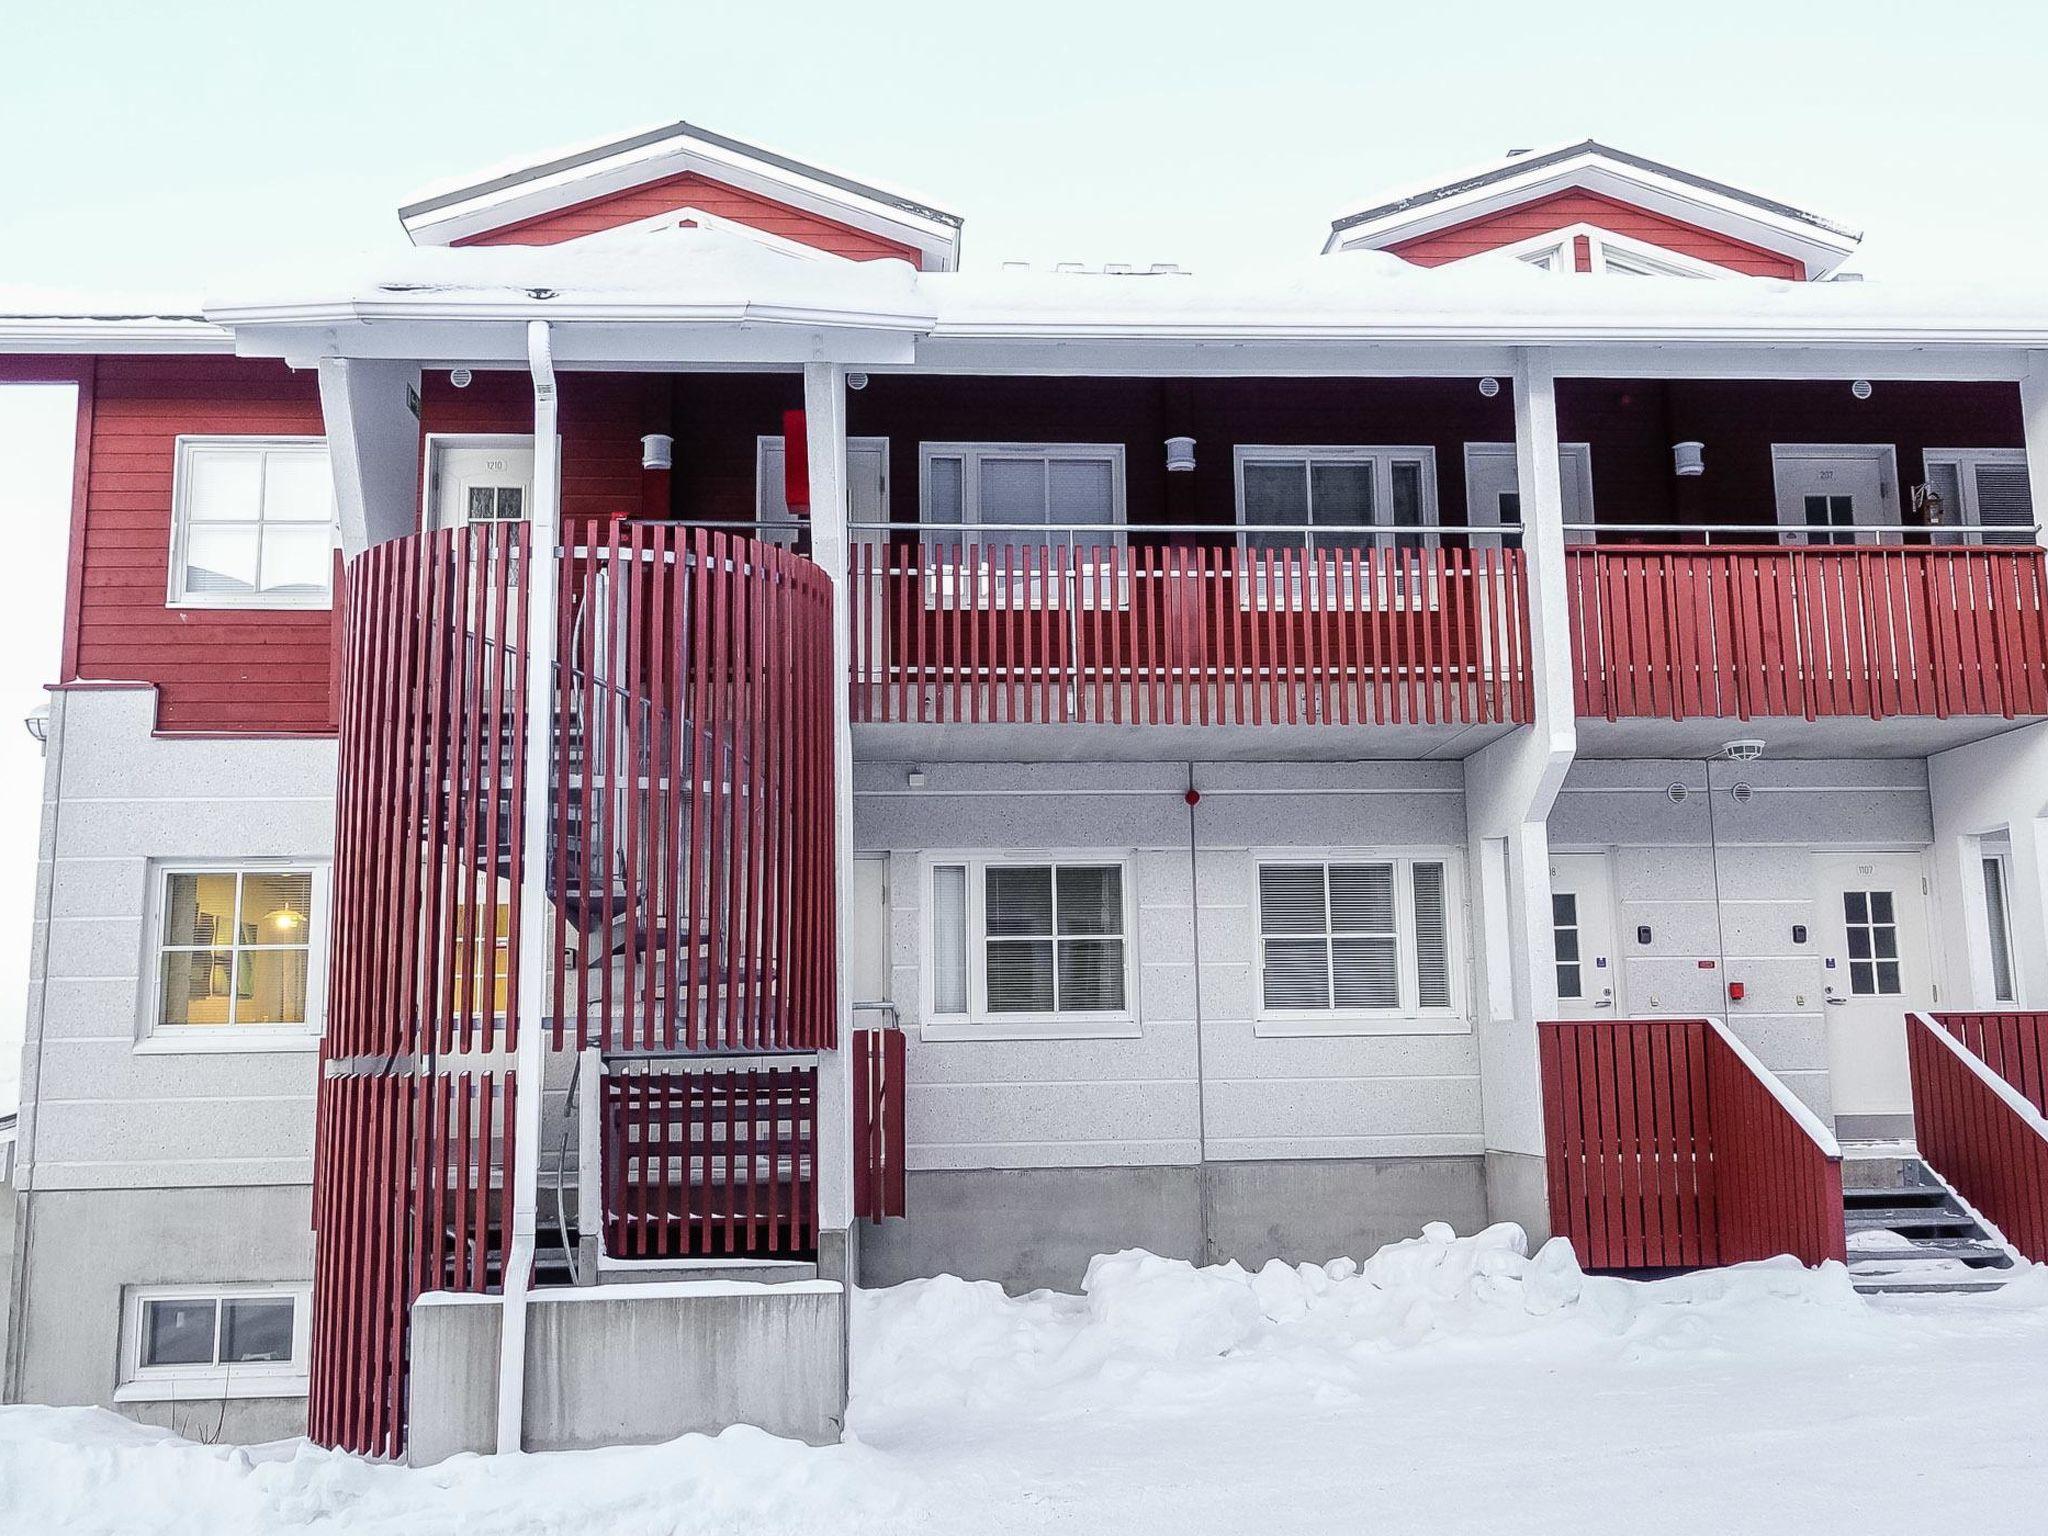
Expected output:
(1060, 486)
(1330, 491)
(2005, 500)
(1367, 936)
(1985, 488)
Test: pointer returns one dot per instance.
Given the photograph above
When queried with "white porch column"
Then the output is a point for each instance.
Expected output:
(1510, 786)
(536, 934)
(825, 431)
(2034, 423)
(373, 443)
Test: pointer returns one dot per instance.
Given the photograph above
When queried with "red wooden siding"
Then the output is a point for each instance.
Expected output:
(1665, 1150)
(252, 671)
(692, 847)
(879, 1079)
(709, 1160)
(1560, 210)
(1991, 1149)
(1692, 633)
(1188, 636)
(432, 752)
(690, 190)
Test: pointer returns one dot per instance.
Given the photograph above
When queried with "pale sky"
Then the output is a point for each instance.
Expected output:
(158, 148)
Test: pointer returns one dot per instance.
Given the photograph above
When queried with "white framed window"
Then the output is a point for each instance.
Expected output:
(1070, 488)
(1998, 928)
(1986, 488)
(1360, 943)
(212, 1341)
(253, 523)
(1340, 489)
(1557, 250)
(1030, 946)
(237, 955)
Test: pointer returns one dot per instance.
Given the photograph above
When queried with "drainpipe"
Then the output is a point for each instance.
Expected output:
(530, 986)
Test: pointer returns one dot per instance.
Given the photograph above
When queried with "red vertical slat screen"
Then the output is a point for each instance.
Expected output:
(692, 853)
(415, 1119)
(1177, 635)
(1880, 632)
(1665, 1149)
(710, 1160)
(878, 1128)
(1992, 1145)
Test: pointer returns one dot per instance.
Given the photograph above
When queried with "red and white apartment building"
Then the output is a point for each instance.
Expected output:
(668, 750)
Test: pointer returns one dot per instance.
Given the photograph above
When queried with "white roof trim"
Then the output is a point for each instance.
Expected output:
(515, 198)
(87, 334)
(1820, 246)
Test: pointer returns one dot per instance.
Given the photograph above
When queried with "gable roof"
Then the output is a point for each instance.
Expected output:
(1819, 244)
(514, 194)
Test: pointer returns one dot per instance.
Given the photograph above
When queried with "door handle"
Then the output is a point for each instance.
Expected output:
(1836, 1002)
(1603, 1002)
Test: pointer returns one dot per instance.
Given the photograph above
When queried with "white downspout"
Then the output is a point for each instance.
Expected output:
(530, 985)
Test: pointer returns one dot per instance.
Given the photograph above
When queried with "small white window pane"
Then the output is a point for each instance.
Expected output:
(1013, 491)
(943, 502)
(1091, 899)
(256, 1329)
(1091, 978)
(949, 938)
(1362, 898)
(199, 909)
(1275, 495)
(297, 559)
(1020, 976)
(1432, 938)
(1297, 974)
(1081, 491)
(1368, 972)
(1019, 901)
(1408, 505)
(2005, 500)
(298, 487)
(1291, 899)
(1342, 494)
(223, 485)
(221, 561)
(2001, 933)
(178, 1331)
(270, 987)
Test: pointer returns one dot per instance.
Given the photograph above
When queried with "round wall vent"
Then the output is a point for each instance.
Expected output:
(1676, 794)
(1742, 792)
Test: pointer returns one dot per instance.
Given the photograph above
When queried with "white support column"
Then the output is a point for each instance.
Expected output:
(2034, 424)
(825, 429)
(373, 444)
(535, 928)
(1510, 786)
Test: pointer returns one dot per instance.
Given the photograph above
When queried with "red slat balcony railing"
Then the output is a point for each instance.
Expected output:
(1690, 633)
(879, 1078)
(1980, 1086)
(1119, 634)
(1669, 1146)
(709, 1160)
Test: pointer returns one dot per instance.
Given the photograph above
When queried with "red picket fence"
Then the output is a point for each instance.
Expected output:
(879, 1079)
(710, 1160)
(692, 846)
(1689, 633)
(1669, 1147)
(1180, 635)
(1979, 1082)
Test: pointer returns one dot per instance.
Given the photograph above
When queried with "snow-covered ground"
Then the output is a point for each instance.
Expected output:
(1449, 1385)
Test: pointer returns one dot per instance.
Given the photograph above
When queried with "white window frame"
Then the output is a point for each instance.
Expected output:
(436, 442)
(1380, 455)
(974, 455)
(179, 1039)
(1408, 1017)
(1555, 250)
(181, 524)
(978, 1023)
(2000, 855)
(180, 1383)
(1965, 462)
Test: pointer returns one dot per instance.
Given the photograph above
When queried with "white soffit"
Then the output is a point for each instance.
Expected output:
(1776, 227)
(444, 215)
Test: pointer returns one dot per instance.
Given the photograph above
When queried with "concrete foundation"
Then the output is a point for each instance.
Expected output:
(1033, 1228)
(1518, 1190)
(633, 1365)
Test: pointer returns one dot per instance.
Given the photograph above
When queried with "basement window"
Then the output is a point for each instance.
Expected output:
(253, 523)
(215, 1341)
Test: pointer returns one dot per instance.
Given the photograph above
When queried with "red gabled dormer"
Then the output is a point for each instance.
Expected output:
(1588, 208)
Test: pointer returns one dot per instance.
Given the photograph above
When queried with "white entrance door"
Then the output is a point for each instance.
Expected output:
(1836, 494)
(1582, 926)
(479, 480)
(1872, 918)
(1493, 498)
(867, 487)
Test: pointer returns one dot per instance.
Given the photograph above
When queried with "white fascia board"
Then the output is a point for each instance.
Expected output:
(1820, 248)
(935, 239)
(88, 336)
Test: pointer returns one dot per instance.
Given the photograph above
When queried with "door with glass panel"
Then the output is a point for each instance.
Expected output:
(1836, 494)
(1872, 922)
(479, 480)
(1493, 496)
(1583, 936)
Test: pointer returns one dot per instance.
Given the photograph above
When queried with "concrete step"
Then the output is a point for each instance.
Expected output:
(1912, 1219)
(1908, 1287)
(1959, 1251)
(1896, 1195)
(614, 1271)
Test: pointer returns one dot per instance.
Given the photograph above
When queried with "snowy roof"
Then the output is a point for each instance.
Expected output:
(66, 320)
(518, 190)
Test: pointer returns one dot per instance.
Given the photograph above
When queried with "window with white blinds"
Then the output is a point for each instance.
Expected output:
(1045, 941)
(1364, 937)
(1335, 492)
(1069, 489)
(1985, 488)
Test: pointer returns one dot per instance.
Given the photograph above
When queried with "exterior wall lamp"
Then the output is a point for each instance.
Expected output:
(657, 451)
(1686, 461)
(1180, 455)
